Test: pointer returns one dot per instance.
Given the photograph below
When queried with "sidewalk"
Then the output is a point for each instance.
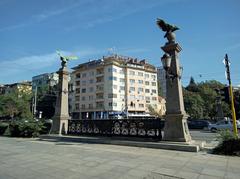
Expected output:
(32, 158)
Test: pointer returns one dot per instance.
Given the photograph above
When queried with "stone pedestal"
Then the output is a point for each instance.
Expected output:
(61, 117)
(176, 128)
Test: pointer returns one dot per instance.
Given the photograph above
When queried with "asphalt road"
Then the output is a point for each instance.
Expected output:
(203, 135)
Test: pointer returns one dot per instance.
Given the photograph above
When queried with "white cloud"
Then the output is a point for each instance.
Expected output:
(29, 66)
(90, 13)
(34, 64)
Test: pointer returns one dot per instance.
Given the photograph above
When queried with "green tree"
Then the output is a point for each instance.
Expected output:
(194, 104)
(160, 91)
(16, 103)
(192, 86)
(200, 99)
(153, 112)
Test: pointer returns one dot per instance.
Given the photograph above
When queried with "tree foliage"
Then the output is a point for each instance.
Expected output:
(16, 104)
(200, 99)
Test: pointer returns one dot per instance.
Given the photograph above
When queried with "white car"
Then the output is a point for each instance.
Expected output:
(223, 125)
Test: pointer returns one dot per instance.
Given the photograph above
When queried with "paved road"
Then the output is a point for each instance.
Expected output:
(34, 159)
(203, 135)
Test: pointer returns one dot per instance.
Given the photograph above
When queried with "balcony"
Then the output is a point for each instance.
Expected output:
(99, 88)
(100, 72)
(100, 79)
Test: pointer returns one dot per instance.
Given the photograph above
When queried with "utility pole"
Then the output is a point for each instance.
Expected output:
(227, 64)
(35, 102)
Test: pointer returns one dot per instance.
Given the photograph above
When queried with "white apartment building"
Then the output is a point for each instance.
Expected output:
(45, 80)
(114, 85)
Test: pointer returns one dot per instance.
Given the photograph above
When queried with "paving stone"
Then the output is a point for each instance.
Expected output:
(24, 158)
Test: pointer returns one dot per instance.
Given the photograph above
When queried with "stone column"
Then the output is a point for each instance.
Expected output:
(176, 128)
(61, 116)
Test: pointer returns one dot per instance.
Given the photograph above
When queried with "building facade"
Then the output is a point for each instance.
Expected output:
(113, 86)
(20, 87)
(47, 80)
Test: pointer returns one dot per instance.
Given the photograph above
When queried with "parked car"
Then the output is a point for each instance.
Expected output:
(198, 124)
(223, 125)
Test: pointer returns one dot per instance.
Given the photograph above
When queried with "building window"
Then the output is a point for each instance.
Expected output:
(84, 75)
(141, 105)
(154, 83)
(84, 83)
(90, 98)
(77, 90)
(112, 78)
(146, 75)
(90, 106)
(77, 83)
(154, 98)
(91, 89)
(140, 90)
(132, 81)
(140, 81)
(140, 73)
(122, 80)
(91, 81)
(83, 98)
(77, 106)
(91, 73)
(99, 104)
(114, 70)
(147, 91)
(154, 91)
(111, 69)
(115, 87)
(115, 104)
(131, 72)
(153, 77)
(121, 71)
(132, 89)
(77, 98)
(146, 82)
(100, 79)
(83, 106)
(112, 95)
(110, 104)
(122, 88)
(78, 75)
(84, 90)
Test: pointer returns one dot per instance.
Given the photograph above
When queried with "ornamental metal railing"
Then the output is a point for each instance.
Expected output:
(144, 128)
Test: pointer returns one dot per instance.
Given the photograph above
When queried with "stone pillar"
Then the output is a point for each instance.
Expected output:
(176, 128)
(61, 116)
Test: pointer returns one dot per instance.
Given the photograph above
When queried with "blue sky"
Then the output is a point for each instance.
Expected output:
(32, 30)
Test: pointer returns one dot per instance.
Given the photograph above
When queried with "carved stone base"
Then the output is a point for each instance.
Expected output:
(60, 125)
(176, 128)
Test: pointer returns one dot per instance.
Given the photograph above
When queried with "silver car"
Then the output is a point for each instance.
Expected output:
(223, 125)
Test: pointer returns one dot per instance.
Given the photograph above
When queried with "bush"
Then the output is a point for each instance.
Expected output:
(3, 127)
(47, 125)
(25, 128)
(228, 145)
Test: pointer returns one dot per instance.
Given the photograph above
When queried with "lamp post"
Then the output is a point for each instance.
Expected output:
(176, 128)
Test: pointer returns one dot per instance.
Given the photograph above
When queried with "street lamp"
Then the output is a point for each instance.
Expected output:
(166, 62)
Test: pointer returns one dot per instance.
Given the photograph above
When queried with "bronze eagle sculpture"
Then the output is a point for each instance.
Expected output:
(166, 27)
